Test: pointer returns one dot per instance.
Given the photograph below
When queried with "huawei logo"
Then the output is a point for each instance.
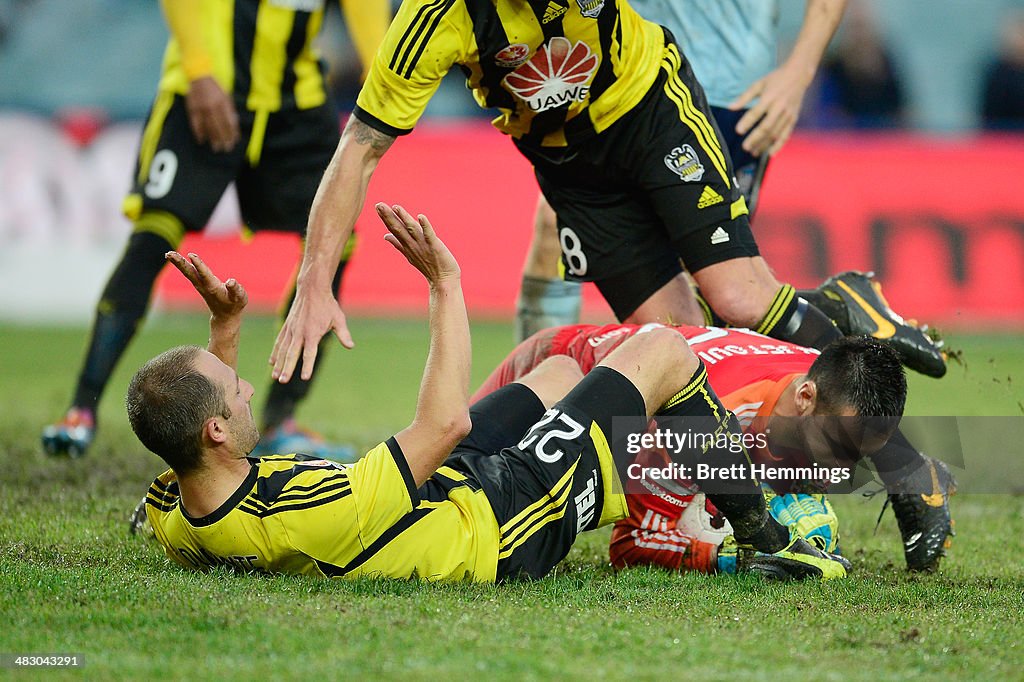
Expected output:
(557, 74)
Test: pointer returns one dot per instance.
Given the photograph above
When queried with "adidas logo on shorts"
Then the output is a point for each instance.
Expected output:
(719, 236)
(709, 197)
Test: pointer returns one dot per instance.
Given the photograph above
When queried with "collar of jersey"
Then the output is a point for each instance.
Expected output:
(220, 512)
(776, 392)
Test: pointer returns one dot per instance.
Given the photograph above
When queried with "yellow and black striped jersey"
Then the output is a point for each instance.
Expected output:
(263, 51)
(557, 70)
(297, 514)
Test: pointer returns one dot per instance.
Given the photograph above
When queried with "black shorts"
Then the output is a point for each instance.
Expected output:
(276, 173)
(548, 475)
(655, 187)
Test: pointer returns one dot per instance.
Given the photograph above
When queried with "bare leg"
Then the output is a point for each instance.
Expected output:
(745, 292)
(544, 253)
(553, 378)
(545, 299)
(740, 289)
(672, 304)
(673, 383)
(658, 363)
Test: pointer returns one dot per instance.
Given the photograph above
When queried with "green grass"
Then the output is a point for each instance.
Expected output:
(74, 581)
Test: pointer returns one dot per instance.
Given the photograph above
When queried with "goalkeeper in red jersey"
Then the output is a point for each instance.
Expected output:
(758, 378)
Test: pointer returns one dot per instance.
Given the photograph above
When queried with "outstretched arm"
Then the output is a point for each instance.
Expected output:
(339, 199)
(442, 409)
(780, 94)
(226, 300)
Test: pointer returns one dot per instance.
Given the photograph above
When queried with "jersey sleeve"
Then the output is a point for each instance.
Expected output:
(419, 48)
(649, 538)
(160, 500)
(185, 19)
(646, 537)
(367, 22)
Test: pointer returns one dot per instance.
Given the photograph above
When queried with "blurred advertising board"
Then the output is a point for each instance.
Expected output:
(941, 222)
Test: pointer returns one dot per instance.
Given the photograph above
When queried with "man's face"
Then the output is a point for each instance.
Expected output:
(845, 434)
(237, 392)
(827, 436)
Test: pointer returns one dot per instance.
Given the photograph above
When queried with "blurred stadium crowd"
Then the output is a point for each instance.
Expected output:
(941, 65)
(77, 77)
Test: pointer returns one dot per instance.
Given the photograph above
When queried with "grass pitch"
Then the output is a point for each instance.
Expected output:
(74, 581)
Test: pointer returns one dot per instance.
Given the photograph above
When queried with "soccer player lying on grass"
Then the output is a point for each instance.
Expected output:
(493, 493)
(758, 379)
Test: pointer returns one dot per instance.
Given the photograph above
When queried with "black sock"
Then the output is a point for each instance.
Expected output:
(121, 307)
(743, 503)
(283, 399)
(896, 460)
(791, 318)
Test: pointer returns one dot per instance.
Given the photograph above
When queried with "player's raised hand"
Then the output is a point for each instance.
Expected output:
(212, 115)
(224, 299)
(313, 314)
(416, 240)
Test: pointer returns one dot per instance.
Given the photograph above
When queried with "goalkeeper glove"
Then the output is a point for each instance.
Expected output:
(809, 516)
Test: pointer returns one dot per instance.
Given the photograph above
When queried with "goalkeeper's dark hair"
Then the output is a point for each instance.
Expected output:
(168, 403)
(862, 373)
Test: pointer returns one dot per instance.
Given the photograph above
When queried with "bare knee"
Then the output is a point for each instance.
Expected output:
(566, 368)
(738, 306)
(670, 352)
(553, 378)
(658, 362)
(739, 290)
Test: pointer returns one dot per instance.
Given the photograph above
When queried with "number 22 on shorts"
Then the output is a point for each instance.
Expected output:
(575, 429)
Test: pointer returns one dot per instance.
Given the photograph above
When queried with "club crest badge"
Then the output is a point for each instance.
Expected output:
(512, 56)
(684, 162)
(590, 8)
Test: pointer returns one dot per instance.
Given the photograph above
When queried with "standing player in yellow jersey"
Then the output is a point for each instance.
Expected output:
(731, 46)
(606, 107)
(241, 99)
(493, 493)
